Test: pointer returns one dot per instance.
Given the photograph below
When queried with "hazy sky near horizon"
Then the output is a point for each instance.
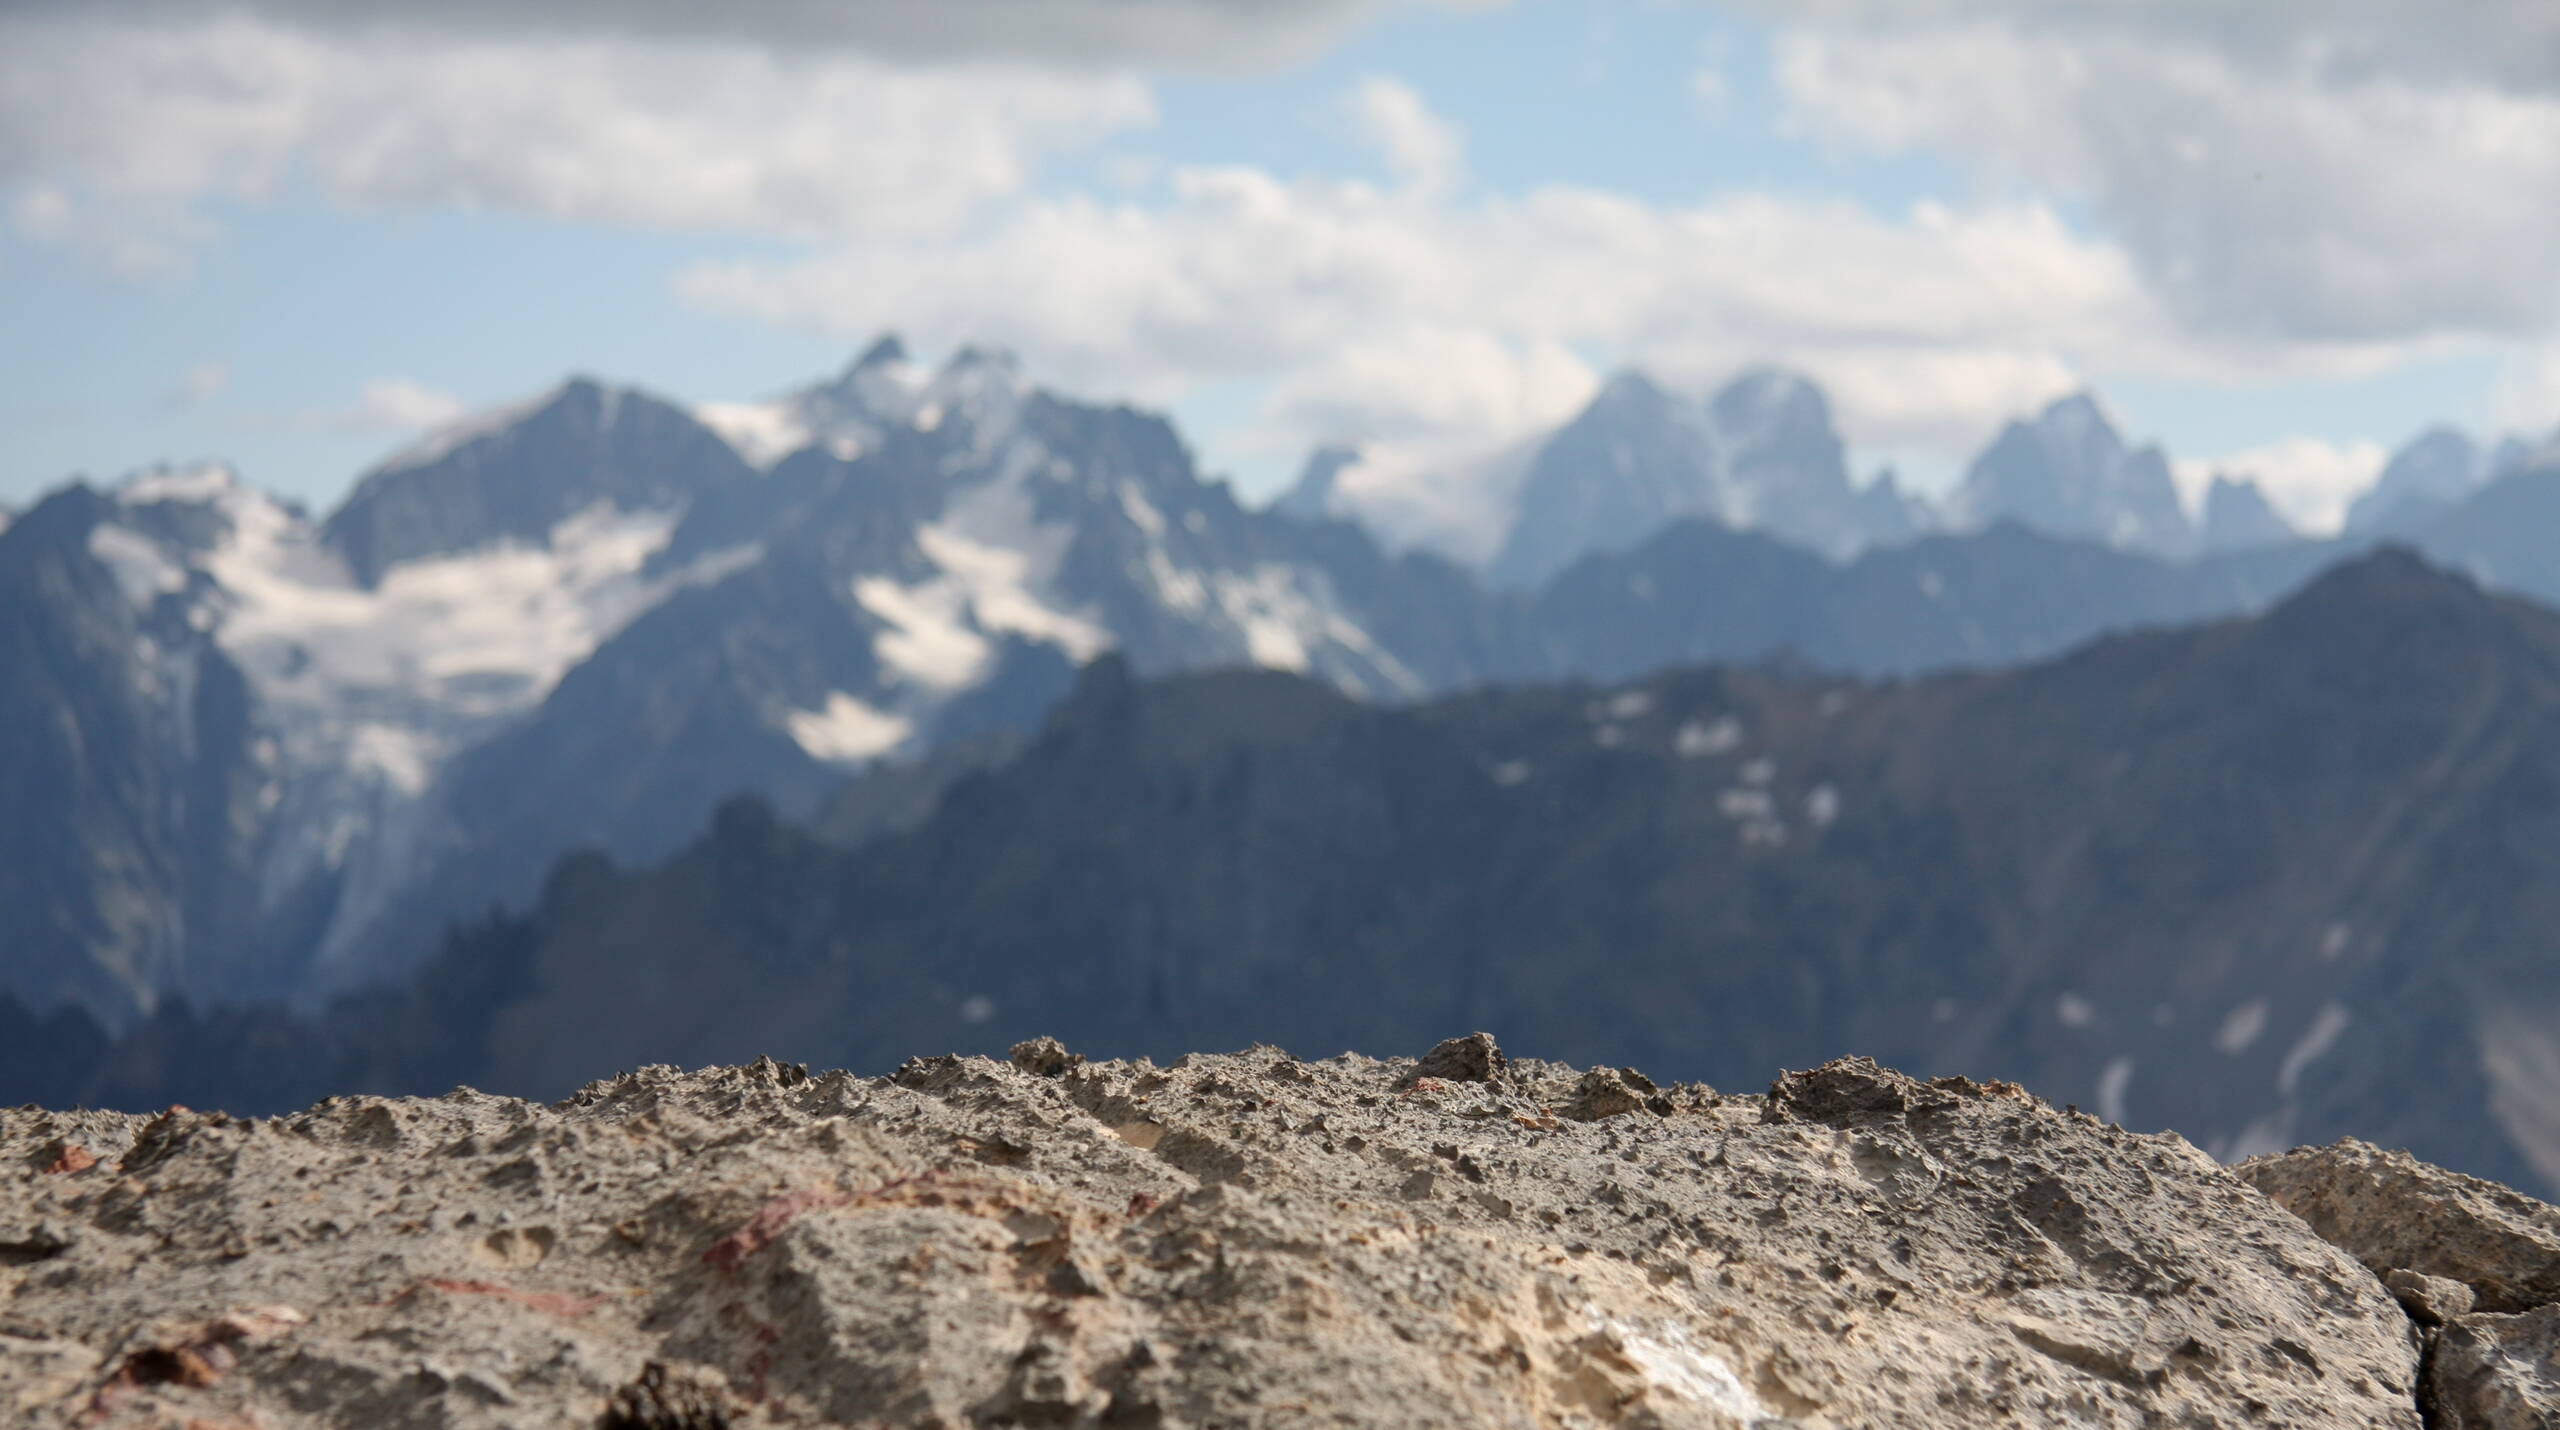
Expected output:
(2280, 238)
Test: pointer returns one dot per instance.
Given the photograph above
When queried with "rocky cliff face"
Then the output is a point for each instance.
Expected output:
(1238, 1239)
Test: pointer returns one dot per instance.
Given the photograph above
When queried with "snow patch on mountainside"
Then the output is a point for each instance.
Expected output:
(2314, 1044)
(846, 730)
(880, 392)
(1002, 560)
(366, 693)
(2520, 1055)
(445, 641)
(399, 758)
(762, 432)
(1288, 618)
(931, 637)
(1004, 587)
(142, 570)
(202, 482)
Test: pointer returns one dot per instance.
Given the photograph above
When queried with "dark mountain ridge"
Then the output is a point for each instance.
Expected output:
(2266, 880)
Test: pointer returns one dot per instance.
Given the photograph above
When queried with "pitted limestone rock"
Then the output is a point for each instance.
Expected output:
(1237, 1239)
(2391, 1211)
(2429, 1300)
(2492, 1372)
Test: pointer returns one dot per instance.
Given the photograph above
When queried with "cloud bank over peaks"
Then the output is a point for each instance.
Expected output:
(2310, 481)
(2289, 170)
(1440, 320)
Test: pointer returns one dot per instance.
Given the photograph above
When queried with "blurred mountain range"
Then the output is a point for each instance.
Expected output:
(260, 756)
(2266, 880)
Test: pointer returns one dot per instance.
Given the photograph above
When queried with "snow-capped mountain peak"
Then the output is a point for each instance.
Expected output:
(978, 391)
(192, 482)
(515, 475)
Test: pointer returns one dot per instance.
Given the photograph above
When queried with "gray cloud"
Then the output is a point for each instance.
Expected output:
(1217, 34)
(114, 129)
(2351, 170)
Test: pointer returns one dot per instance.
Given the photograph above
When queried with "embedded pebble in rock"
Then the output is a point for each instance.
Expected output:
(2391, 1212)
(1234, 1239)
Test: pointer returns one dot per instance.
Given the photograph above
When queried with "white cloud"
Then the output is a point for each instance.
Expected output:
(2335, 172)
(2527, 398)
(396, 404)
(1421, 383)
(1423, 148)
(1433, 413)
(199, 384)
(2308, 480)
(134, 236)
(1379, 316)
(128, 119)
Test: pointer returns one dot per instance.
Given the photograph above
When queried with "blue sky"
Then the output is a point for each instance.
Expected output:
(291, 238)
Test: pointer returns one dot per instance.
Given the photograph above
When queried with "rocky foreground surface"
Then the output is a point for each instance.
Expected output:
(1249, 1239)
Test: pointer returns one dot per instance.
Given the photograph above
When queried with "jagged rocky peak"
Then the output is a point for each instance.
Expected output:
(1889, 514)
(2068, 472)
(886, 350)
(982, 386)
(2238, 516)
(1310, 498)
(1770, 405)
(515, 473)
(1759, 452)
(2438, 466)
(1853, 1247)
(973, 397)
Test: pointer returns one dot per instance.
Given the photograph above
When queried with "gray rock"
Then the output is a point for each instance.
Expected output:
(2389, 1210)
(1473, 1058)
(1044, 1057)
(1238, 1239)
(2429, 1300)
(2493, 1372)
(1611, 1092)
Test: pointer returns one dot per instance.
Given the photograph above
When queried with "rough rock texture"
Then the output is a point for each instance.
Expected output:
(2443, 1242)
(1238, 1239)
(2489, 1372)
(2429, 1300)
(2391, 1211)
